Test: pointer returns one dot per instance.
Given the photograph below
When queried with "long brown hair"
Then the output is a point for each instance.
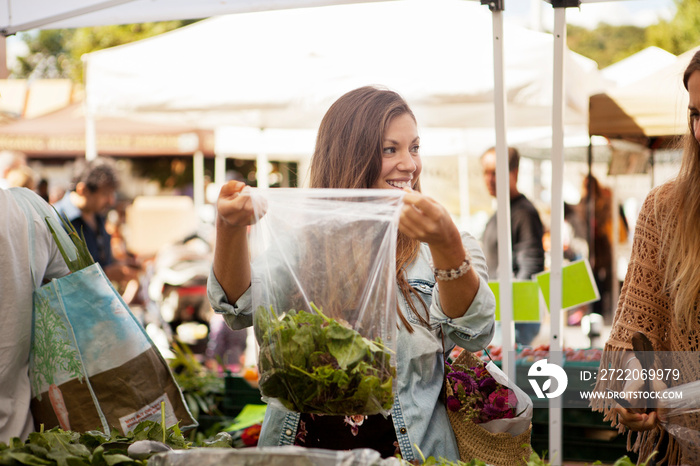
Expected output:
(348, 155)
(685, 245)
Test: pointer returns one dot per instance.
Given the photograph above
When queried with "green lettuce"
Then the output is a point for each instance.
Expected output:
(314, 364)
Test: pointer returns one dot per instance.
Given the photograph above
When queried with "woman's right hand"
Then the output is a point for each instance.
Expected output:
(234, 205)
(637, 421)
(231, 259)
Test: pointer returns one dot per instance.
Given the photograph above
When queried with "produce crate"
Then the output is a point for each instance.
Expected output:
(238, 393)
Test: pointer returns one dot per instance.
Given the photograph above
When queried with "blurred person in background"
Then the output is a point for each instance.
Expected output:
(596, 208)
(526, 231)
(10, 160)
(21, 177)
(92, 193)
(226, 347)
(42, 189)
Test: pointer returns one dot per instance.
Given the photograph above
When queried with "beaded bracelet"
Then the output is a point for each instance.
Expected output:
(452, 274)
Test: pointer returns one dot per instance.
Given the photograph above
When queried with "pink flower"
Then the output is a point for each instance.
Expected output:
(503, 397)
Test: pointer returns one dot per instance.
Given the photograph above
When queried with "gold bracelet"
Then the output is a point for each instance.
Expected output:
(453, 274)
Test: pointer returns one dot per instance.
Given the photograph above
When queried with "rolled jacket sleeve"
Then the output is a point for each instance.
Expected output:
(475, 329)
(238, 315)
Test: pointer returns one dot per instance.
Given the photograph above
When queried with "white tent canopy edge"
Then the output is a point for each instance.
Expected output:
(23, 15)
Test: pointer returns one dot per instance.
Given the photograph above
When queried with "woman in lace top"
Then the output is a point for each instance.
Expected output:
(659, 299)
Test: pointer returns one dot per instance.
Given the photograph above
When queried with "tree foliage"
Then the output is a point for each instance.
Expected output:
(606, 44)
(56, 53)
(681, 33)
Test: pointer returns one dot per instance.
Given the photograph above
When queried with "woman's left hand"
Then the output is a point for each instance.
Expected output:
(426, 220)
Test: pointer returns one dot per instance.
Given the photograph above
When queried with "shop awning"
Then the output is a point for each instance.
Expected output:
(62, 134)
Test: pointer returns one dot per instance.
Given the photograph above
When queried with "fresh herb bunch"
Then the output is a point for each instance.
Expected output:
(477, 395)
(314, 364)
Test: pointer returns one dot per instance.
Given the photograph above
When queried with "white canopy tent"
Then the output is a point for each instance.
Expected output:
(651, 107)
(637, 66)
(282, 69)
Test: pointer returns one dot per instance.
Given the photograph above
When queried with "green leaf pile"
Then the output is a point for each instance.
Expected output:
(94, 448)
(314, 364)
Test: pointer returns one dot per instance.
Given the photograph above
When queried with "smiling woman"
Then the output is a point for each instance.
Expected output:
(369, 139)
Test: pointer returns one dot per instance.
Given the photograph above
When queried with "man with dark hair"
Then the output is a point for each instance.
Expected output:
(91, 194)
(526, 234)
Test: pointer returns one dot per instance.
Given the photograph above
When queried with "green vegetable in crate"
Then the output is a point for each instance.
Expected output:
(314, 364)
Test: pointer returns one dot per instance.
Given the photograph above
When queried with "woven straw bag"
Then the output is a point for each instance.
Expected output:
(473, 441)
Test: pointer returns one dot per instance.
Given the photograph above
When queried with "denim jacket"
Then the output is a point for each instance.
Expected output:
(419, 416)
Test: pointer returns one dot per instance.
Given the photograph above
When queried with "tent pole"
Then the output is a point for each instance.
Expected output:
(557, 220)
(590, 208)
(198, 180)
(505, 253)
(90, 130)
(614, 244)
(90, 136)
(261, 162)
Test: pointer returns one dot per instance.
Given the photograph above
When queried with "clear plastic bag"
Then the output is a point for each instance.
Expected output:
(680, 416)
(324, 297)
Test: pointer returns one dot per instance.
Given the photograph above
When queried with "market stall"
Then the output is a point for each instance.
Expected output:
(557, 119)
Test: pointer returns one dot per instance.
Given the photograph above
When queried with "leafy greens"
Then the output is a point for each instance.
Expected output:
(314, 364)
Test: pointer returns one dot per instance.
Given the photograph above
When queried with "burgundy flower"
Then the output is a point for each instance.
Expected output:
(465, 380)
(477, 395)
(453, 403)
(488, 385)
(489, 412)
